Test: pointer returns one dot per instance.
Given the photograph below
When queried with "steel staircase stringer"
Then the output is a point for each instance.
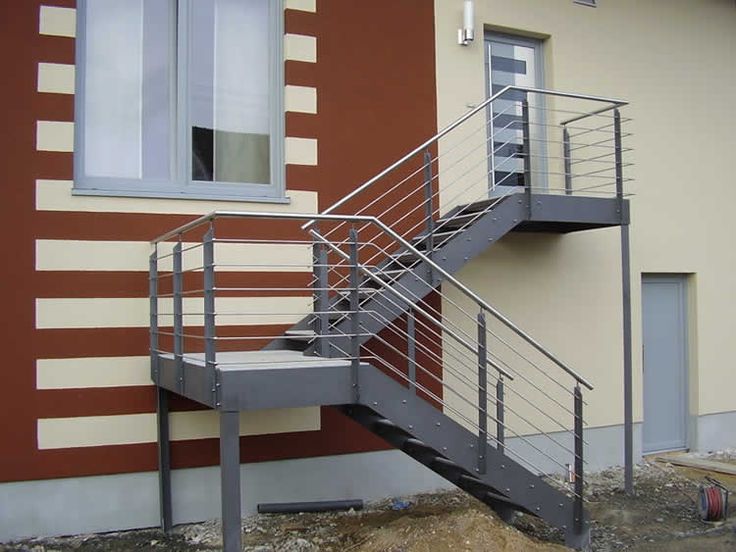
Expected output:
(413, 284)
(406, 418)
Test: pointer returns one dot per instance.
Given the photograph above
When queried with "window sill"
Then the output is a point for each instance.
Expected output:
(180, 195)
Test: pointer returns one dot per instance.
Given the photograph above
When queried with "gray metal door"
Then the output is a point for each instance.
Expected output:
(664, 318)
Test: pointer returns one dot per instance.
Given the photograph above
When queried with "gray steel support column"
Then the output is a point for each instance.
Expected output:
(164, 458)
(354, 314)
(153, 307)
(527, 149)
(626, 298)
(178, 303)
(411, 347)
(628, 384)
(567, 160)
(230, 480)
(482, 393)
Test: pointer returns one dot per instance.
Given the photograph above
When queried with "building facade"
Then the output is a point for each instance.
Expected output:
(117, 135)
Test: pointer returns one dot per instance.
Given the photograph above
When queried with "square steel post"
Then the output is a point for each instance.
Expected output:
(210, 329)
(153, 318)
(500, 415)
(579, 464)
(354, 314)
(178, 303)
(321, 297)
(164, 458)
(429, 210)
(411, 348)
(482, 393)
(230, 480)
(567, 160)
(527, 151)
(626, 310)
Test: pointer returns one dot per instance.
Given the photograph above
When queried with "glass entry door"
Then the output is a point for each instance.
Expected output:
(510, 61)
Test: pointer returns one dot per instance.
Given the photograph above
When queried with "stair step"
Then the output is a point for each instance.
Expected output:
(301, 335)
(442, 235)
(458, 221)
(445, 463)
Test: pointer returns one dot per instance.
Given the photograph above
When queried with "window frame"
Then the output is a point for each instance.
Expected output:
(181, 185)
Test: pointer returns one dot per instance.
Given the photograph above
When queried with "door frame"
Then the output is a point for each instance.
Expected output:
(684, 282)
(536, 44)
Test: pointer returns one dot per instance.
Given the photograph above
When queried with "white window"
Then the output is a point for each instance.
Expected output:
(180, 98)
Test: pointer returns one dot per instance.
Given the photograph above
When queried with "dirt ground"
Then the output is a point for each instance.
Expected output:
(662, 516)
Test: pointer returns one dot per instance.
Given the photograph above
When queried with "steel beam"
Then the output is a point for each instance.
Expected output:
(628, 384)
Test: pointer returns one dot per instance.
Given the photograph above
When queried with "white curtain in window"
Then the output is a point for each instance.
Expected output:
(127, 88)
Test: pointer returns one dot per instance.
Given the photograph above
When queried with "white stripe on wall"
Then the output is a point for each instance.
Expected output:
(54, 136)
(56, 78)
(91, 431)
(56, 21)
(300, 48)
(56, 195)
(301, 5)
(134, 312)
(83, 255)
(81, 373)
(300, 99)
(301, 151)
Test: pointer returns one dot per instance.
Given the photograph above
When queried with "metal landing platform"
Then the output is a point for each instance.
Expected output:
(252, 380)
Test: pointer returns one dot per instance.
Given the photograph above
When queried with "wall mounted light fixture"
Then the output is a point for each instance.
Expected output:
(466, 34)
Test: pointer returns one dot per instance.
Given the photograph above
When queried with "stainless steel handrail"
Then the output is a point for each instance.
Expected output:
(461, 120)
(400, 240)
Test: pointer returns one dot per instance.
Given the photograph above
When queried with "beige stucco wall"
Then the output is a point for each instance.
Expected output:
(673, 61)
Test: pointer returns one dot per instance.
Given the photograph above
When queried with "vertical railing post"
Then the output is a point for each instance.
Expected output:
(321, 297)
(618, 157)
(354, 314)
(153, 307)
(527, 151)
(567, 160)
(482, 393)
(178, 309)
(210, 330)
(429, 209)
(411, 348)
(500, 415)
(579, 467)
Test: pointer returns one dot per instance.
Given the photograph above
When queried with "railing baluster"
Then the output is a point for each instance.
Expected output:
(500, 427)
(153, 306)
(321, 298)
(618, 156)
(527, 149)
(578, 409)
(482, 393)
(568, 160)
(210, 330)
(428, 209)
(178, 301)
(411, 348)
(354, 314)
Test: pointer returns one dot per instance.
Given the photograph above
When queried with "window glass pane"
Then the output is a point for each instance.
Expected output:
(229, 89)
(128, 88)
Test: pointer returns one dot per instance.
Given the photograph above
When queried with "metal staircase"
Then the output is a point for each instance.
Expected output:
(393, 338)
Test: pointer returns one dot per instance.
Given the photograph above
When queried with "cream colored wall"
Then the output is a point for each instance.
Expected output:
(673, 61)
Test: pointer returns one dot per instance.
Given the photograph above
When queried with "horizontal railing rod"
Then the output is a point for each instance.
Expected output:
(458, 122)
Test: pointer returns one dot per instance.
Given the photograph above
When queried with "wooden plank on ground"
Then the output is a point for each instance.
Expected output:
(699, 463)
